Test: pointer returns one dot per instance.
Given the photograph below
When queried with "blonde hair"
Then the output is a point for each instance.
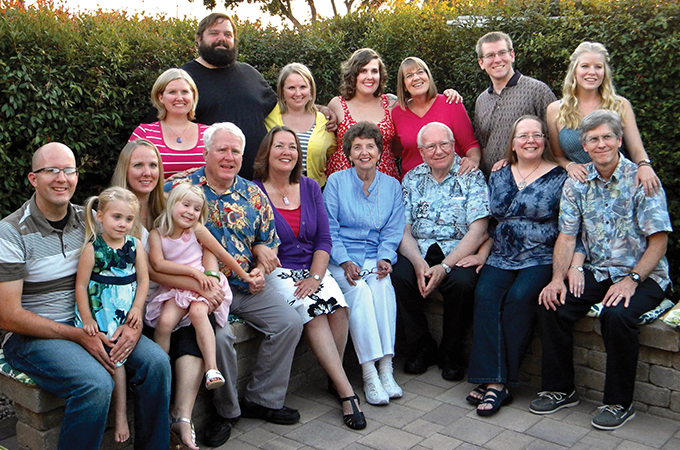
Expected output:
(306, 75)
(103, 200)
(402, 93)
(164, 222)
(569, 115)
(162, 82)
(156, 202)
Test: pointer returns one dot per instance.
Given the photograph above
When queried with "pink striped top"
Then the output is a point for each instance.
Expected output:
(173, 160)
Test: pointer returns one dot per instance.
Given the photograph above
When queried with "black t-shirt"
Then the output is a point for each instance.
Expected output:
(237, 94)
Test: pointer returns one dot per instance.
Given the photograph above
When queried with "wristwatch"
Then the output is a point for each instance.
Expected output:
(316, 277)
(446, 267)
(579, 268)
(635, 277)
(645, 162)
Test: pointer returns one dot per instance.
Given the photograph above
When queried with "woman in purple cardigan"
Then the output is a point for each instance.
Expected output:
(303, 279)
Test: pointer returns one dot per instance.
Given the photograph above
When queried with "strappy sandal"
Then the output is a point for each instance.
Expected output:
(213, 379)
(474, 401)
(356, 420)
(176, 442)
(496, 399)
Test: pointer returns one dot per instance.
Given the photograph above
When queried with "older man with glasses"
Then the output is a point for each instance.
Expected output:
(624, 235)
(446, 220)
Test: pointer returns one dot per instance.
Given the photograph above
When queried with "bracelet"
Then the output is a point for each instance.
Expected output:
(212, 273)
(567, 168)
(645, 163)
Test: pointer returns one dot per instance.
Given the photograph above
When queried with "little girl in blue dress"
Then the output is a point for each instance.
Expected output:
(112, 281)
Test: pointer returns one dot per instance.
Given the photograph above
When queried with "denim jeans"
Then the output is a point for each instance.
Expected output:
(506, 302)
(67, 370)
(620, 334)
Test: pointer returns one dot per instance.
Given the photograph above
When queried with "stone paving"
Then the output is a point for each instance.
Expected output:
(433, 414)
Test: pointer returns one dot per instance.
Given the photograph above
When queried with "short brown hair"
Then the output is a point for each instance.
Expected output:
(261, 164)
(363, 130)
(211, 20)
(493, 36)
(351, 68)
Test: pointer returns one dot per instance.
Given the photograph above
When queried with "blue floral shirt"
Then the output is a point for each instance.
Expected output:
(363, 227)
(441, 213)
(615, 218)
(239, 218)
(527, 220)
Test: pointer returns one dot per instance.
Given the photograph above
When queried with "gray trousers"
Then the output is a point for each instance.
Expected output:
(269, 313)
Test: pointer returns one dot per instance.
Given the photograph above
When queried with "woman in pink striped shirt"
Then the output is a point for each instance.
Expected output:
(179, 141)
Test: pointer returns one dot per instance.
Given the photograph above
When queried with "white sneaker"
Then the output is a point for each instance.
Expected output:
(375, 392)
(390, 385)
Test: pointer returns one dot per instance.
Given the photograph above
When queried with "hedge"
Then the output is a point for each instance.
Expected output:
(84, 79)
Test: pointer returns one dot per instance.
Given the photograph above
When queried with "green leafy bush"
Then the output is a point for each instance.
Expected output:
(84, 79)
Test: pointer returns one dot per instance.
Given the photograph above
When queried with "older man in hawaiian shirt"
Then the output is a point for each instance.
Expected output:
(446, 221)
(240, 217)
(624, 235)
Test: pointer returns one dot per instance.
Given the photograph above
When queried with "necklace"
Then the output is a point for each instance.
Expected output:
(283, 196)
(522, 184)
(368, 203)
(179, 136)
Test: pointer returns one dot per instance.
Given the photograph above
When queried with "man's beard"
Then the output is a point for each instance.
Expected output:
(218, 57)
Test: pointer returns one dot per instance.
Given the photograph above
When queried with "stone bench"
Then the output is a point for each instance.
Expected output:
(657, 389)
(40, 414)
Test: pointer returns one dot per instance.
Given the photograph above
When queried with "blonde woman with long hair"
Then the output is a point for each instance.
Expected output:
(588, 86)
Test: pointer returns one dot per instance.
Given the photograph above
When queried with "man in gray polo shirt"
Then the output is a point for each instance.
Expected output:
(39, 252)
(510, 96)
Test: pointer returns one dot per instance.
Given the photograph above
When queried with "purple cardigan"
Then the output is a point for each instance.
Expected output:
(296, 252)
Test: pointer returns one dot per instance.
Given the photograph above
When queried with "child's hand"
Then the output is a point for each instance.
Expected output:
(203, 280)
(255, 280)
(90, 327)
(134, 318)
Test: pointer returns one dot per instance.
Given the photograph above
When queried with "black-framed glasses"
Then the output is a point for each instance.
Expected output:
(54, 171)
(366, 272)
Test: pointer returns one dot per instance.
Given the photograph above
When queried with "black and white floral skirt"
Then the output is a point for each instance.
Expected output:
(325, 300)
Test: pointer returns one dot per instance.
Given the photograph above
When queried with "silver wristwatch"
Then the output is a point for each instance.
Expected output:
(316, 277)
(446, 267)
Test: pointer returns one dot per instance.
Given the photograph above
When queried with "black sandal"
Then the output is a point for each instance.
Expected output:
(356, 420)
(496, 399)
(474, 401)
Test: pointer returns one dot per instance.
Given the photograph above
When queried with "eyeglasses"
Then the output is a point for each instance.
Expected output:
(366, 272)
(54, 171)
(500, 54)
(444, 145)
(419, 72)
(526, 137)
(594, 140)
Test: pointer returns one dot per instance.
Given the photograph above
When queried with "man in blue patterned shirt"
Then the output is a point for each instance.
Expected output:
(446, 220)
(240, 217)
(624, 236)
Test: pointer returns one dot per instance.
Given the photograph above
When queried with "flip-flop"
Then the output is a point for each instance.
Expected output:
(474, 401)
(496, 399)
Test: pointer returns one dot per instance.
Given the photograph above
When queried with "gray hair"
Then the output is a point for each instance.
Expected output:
(597, 118)
(228, 127)
(423, 130)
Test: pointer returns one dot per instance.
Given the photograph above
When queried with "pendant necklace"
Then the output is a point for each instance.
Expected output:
(179, 136)
(283, 196)
(522, 184)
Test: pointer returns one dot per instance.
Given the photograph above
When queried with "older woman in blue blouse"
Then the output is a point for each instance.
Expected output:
(302, 278)
(366, 217)
(525, 201)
